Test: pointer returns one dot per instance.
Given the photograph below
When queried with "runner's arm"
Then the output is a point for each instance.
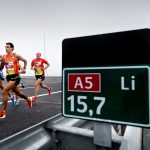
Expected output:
(1, 62)
(32, 65)
(2, 65)
(47, 64)
(22, 70)
(19, 57)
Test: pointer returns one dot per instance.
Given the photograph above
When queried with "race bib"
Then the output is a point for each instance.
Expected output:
(9, 68)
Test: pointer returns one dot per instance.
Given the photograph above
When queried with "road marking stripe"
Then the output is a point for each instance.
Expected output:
(38, 95)
(27, 88)
(47, 94)
(45, 102)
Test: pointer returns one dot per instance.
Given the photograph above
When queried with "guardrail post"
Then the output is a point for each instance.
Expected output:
(102, 134)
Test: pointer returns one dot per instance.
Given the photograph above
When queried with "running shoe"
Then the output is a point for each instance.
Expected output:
(16, 102)
(13, 100)
(2, 114)
(49, 91)
(22, 85)
(34, 99)
(29, 100)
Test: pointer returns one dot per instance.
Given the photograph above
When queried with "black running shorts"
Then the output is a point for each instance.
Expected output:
(13, 77)
(42, 77)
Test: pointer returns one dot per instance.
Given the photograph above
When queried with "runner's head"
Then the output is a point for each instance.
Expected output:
(38, 55)
(9, 47)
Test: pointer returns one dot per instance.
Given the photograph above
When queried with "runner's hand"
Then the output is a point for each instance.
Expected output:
(23, 71)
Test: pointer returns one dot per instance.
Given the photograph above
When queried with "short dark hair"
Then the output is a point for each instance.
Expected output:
(11, 44)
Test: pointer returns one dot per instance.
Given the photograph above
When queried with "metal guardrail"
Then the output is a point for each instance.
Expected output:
(62, 133)
(32, 138)
(37, 139)
(132, 139)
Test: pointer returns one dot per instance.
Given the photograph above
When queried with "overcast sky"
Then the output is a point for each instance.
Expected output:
(24, 22)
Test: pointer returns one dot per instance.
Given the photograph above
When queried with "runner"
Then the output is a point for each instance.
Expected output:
(10, 61)
(37, 65)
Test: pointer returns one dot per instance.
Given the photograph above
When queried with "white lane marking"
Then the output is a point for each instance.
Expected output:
(27, 88)
(47, 94)
(45, 102)
(39, 95)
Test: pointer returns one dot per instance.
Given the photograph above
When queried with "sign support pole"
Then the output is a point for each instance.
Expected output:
(102, 134)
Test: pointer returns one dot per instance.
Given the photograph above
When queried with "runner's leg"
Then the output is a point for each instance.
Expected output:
(37, 85)
(5, 93)
(1, 84)
(22, 95)
(2, 87)
(46, 87)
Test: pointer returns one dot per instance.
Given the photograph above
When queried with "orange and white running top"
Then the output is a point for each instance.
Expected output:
(11, 64)
(38, 64)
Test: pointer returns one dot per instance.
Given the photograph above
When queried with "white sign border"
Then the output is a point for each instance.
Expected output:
(105, 120)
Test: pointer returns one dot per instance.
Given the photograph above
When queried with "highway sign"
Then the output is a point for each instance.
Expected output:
(108, 94)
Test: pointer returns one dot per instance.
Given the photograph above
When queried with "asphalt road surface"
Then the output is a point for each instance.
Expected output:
(21, 117)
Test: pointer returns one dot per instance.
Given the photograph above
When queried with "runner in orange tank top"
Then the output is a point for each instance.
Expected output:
(37, 65)
(10, 61)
